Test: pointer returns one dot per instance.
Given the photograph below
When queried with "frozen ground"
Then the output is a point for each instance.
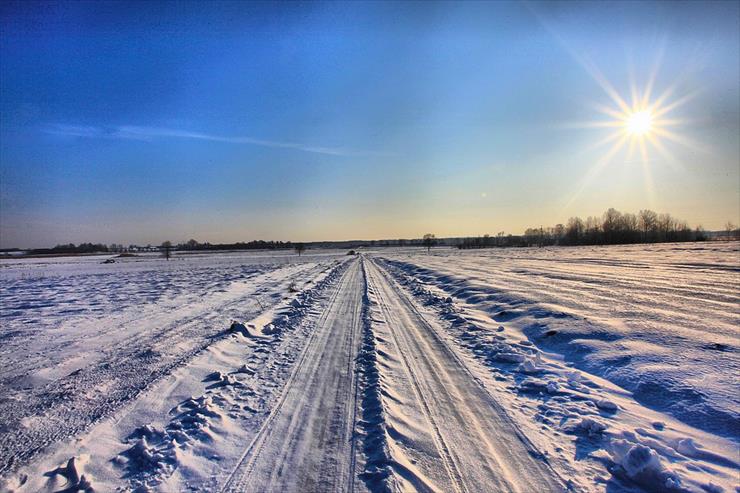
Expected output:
(584, 369)
(80, 338)
(662, 321)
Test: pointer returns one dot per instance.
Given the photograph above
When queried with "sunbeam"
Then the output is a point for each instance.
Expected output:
(641, 126)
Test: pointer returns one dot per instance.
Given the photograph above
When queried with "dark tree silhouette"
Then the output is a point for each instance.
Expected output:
(730, 230)
(166, 249)
(613, 227)
(300, 248)
(429, 240)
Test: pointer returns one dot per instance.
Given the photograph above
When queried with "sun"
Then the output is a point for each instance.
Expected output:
(639, 123)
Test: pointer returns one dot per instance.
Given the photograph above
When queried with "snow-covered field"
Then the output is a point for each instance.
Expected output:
(662, 321)
(584, 369)
(631, 350)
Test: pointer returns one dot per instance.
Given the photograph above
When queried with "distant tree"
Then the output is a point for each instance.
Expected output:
(647, 219)
(630, 230)
(429, 240)
(299, 248)
(664, 226)
(167, 249)
(574, 231)
(559, 233)
(730, 230)
(611, 225)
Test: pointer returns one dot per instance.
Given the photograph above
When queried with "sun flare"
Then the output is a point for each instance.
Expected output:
(642, 129)
(642, 125)
(639, 122)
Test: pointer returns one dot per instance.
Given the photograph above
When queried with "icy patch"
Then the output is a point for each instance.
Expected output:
(532, 365)
(245, 369)
(606, 405)
(220, 379)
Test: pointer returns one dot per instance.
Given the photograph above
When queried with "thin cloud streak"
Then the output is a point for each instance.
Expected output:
(132, 132)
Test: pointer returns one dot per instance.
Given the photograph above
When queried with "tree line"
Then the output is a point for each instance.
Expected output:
(611, 228)
(71, 248)
(82, 248)
(240, 245)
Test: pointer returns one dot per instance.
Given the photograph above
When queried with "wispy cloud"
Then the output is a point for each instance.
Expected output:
(74, 130)
(131, 132)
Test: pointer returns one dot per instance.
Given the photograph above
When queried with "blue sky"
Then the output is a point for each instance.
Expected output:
(140, 122)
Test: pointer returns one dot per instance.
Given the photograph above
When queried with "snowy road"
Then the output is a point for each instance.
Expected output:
(306, 443)
(384, 372)
(458, 424)
(457, 435)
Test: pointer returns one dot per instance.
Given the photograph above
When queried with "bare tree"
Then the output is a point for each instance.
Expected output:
(611, 223)
(166, 249)
(300, 248)
(559, 233)
(648, 221)
(429, 240)
(574, 230)
(729, 229)
(666, 225)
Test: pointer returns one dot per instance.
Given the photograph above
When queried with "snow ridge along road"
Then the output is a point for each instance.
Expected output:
(307, 444)
(438, 413)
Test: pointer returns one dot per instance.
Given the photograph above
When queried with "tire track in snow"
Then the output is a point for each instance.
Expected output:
(306, 442)
(457, 407)
(449, 462)
(68, 406)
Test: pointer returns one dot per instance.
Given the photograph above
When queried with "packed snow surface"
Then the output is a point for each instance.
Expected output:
(80, 338)
(604, 369)
(662, 321)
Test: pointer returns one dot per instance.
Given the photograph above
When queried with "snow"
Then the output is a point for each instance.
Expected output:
(590, 369)
(613, 353)
(136, 323)
(661, 320)
(433, 407)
